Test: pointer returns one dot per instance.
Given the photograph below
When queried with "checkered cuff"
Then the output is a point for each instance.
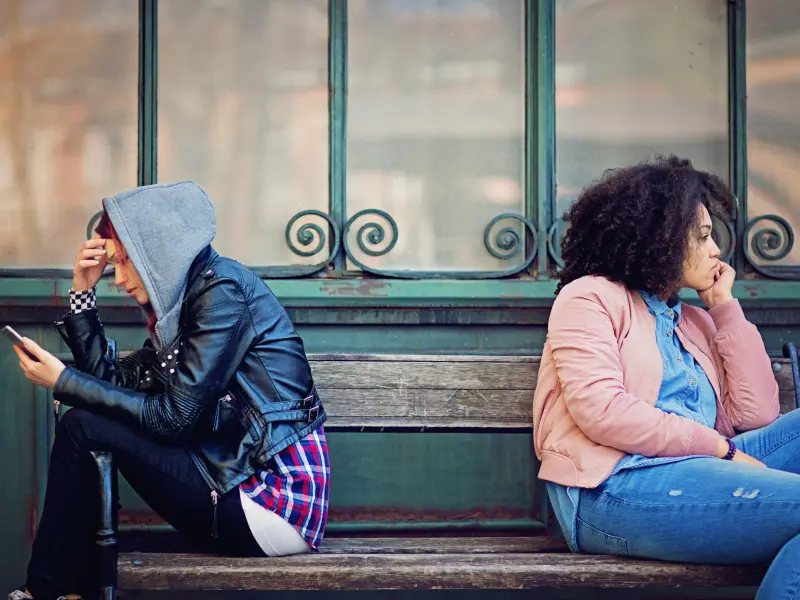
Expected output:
(82, 301)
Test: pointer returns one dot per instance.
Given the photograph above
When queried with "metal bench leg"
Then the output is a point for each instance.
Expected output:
(107, 533)
(790, 352)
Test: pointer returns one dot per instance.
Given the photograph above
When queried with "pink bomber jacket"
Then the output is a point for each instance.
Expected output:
(601, 372)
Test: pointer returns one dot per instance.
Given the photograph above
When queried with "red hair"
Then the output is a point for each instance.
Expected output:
(105, 229)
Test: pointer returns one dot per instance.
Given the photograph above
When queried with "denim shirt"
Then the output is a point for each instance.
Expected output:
(685, 391)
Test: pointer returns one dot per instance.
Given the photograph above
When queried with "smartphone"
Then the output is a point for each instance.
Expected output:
(16, 339)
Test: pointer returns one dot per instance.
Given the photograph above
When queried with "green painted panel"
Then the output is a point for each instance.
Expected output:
(449, 472)
(423, 339)
(776, 336)
(21, 405)
(384, 292)
(433, 474)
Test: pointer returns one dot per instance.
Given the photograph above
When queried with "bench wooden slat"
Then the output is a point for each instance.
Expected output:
(443, 409)
(404, 358)
(426, 375)
(334, 371)
(788, 400)
(410, 571)
(431, 408)
(445, 372)
(174, 543)
(441, 392)
(444, 545)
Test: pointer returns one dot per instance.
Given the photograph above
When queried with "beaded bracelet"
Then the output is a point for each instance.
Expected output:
(731, 450)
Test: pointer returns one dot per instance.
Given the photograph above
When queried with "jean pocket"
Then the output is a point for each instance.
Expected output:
(594, 541)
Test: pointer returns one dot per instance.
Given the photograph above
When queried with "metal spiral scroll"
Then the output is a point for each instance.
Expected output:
(727, 247)
(92, 224)
(769, 243)
(313, 238)
(372, 233)
(504, 244)
(554, 242)
(509, 241)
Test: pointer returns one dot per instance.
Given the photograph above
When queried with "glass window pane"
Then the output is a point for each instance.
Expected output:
(635, 78)
(435, 128)
(243, 110)
(68, 114)
(773, 123)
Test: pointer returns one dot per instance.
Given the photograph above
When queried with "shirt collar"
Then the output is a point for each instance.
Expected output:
(658, 307)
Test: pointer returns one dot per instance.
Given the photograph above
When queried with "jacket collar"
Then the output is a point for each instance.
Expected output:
(659, 307)
(201, 265)
(200, 272)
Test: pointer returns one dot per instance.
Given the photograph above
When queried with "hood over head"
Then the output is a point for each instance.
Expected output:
(163, 228)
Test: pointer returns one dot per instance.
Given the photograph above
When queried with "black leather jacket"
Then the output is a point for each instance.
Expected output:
(235, 387)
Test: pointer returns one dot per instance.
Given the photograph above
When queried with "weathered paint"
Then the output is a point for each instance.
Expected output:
(361, 292)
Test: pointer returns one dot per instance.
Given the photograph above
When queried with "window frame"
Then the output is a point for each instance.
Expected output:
(536, 282)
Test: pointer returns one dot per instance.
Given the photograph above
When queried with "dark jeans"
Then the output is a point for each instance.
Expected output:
(164, 476)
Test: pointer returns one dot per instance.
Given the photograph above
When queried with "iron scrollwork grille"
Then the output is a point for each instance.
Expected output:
(769, 238)
(505, 243)
(766, 239)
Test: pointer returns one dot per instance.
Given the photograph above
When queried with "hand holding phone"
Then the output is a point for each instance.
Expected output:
(17, 340)
(38, 365)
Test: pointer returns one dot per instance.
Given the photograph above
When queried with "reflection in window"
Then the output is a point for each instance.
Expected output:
(435, 125)
(68, 133)
(243, 110)
(635, 78)
(773, 118)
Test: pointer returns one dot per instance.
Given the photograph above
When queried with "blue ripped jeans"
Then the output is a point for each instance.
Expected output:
(707, 510)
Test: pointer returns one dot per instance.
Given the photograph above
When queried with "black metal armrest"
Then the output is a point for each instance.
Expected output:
(107, 531)
(790, 352)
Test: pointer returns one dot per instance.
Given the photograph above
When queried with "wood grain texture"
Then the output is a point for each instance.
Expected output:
(444, 545)
(395, 391)
(412, 572)
(788, 400)
(428, 408)
(393, 371)
(426, 375)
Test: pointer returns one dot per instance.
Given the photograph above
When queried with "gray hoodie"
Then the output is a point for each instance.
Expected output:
(163, 228)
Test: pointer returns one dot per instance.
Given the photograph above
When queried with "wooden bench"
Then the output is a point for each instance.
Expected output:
(419, 393)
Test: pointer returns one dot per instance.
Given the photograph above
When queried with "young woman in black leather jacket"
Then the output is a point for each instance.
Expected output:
(215, 421)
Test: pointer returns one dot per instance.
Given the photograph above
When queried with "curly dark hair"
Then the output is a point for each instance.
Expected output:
(633, 225)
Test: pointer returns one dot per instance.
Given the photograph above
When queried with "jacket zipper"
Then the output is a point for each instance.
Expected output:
(215, 501)
(218, 414)
(214, 493)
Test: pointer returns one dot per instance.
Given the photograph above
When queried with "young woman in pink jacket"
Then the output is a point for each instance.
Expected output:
(656, 422)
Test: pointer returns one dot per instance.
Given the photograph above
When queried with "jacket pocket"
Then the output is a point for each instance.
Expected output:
(595, 541)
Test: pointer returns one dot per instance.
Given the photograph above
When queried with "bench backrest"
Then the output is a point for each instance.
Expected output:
(447, 392)
(404, 444)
